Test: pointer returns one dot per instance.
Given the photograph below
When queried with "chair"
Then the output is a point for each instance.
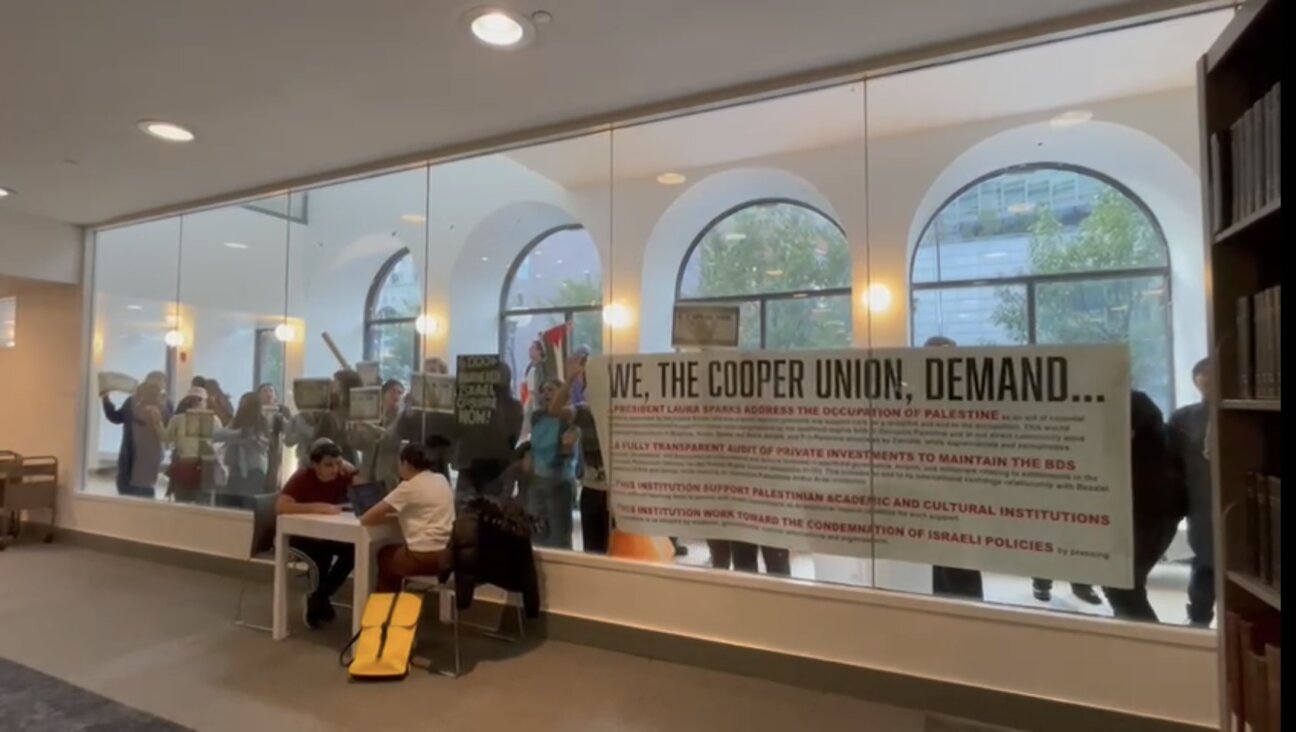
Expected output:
(444, 589)
(264, 518)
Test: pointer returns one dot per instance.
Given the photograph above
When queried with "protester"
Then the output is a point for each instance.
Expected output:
(247, 443)
(1189, 427)
(555, 445)
(380, 443)
(124, 416)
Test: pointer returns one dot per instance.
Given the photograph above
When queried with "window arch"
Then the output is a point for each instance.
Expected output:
(1047, 253)
(557, 278)
(392, 309)
(784, 263)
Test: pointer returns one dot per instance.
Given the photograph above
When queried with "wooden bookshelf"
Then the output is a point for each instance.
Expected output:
(1242, 205)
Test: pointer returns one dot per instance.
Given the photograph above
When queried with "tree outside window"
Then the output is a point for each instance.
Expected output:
(786, 265)
(393, 306)
(1080, 261)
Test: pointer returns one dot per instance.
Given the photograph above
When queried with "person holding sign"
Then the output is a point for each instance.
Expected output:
(125, 416)
(555, 447)
(381, 442)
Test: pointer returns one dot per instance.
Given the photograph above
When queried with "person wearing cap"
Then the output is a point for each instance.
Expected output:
(321, 488)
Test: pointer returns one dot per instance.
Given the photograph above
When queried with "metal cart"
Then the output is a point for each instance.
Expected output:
(27, 484)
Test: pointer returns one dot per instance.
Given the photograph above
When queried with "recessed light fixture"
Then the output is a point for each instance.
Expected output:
(671, 179)
(235, 245)
(168, 131)
(5, 192)
(1071, 118)
(499, 28)
(413, 218)
(134, 307)
(485, 259)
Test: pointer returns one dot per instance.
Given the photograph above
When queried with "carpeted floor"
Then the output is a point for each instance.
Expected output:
(35, 702)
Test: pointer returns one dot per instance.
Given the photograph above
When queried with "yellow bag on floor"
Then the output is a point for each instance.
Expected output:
(383, 647)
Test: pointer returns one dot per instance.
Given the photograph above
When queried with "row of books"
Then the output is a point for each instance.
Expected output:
(1247, 164)
(1263, 539)
(1259, 344)
(1253, 673)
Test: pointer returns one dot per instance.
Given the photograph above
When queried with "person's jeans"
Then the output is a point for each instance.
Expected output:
(550, 500)
(334, 561)
(742, 557)
(956, 582)
(1201, 581)
(595, 521)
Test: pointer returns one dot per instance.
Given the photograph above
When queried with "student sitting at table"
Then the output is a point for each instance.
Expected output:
(423, 504)
(321, 488)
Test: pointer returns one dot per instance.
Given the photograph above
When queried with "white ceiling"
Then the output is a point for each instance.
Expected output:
(280, 89)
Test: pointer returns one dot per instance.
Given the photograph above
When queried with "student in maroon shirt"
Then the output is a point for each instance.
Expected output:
(321, 488)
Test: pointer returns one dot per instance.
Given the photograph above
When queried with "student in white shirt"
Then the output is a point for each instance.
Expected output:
(423, 503)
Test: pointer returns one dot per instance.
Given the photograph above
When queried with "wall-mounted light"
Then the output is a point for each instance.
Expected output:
(671, 179)
(174, 338)
(616, 315)
(878, 298)
(285, 333)
(427, 325)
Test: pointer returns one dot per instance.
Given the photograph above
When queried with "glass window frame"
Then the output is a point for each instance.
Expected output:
(1032, 281)
(371, 321)
(760, 299)
(568, 312)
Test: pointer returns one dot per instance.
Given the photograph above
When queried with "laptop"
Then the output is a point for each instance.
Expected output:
(365, 496)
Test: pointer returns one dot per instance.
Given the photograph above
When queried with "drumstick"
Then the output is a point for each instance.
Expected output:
(328, 341)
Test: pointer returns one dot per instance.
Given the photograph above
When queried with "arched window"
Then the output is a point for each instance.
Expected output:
(1047, 253)
(786, 265)
(556, 279)
(391, 312)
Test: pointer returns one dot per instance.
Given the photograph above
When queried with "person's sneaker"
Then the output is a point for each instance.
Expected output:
(1043, 595)
(1085, 593)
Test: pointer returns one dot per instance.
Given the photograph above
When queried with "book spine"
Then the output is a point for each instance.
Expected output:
(1277, 151)
(1259, 345)
(1271, 145)
(1235, 170)
(1260, 172)
(1245, 384)
(1252, 513)
(1217, 186)
(1264, 546)
(1275, 530)
(1233, 668)
(1275, 307)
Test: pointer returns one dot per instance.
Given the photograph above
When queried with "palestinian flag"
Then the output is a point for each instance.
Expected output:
(555, 351)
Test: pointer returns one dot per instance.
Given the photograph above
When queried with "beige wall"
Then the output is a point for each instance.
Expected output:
(38, 248)
(40, 376)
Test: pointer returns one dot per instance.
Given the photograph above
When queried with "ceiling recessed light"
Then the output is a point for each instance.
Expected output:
(671, 179)
(5, 192)
(134, 307)
(413, 218)
(235, 245)
(166, 130)
(500, 28)
(485, 259)
(1071, 118)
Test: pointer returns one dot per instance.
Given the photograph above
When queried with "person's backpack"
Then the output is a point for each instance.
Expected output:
(382, 648)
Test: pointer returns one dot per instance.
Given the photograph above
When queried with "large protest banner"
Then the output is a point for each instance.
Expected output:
(1013, 460)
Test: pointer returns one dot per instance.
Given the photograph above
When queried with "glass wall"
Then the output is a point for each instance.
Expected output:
(1040, 197)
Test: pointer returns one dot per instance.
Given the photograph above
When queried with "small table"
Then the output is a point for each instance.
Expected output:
(345, 528)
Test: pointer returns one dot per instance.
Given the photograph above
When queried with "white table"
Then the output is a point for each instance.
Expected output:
(345, 528)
